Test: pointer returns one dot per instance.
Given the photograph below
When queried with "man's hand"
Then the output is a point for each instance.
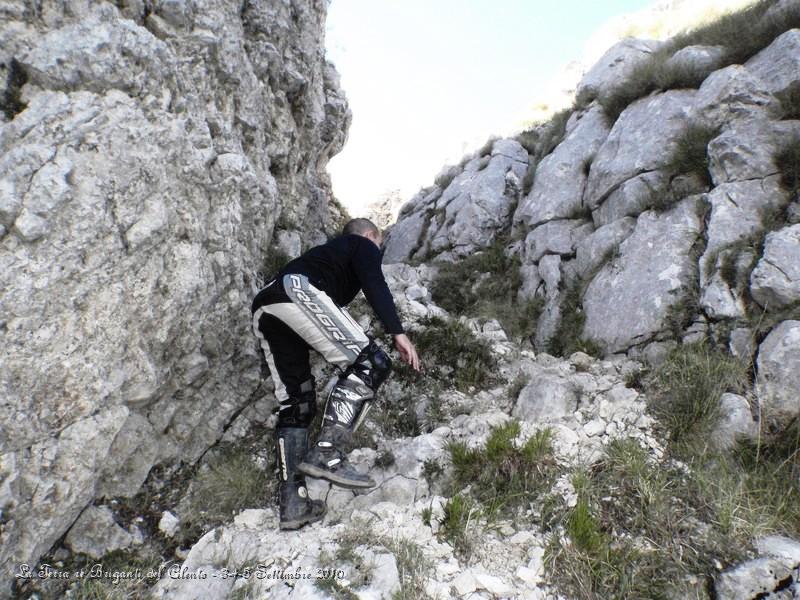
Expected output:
(408, 354)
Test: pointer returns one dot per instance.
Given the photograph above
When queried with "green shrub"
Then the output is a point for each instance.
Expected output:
(231, 482)
(501, 475)
(541, 139)
(485, 285)
(584, 530)
(687, 388)
(681, 312)
(273, 263)
(458, 521)
(11, 101)
(140, 563)
(790, 102)
(787, 159)
(691, 152)
(413, 567)
(398, 418)
(431, 470)
(636, 529)
(640, 83)
(452, 344)
(567, 338)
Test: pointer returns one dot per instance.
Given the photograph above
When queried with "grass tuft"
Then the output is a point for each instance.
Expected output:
(231, 482)
(787, 159)
(11, 101)
(501, 475)
(485, 285)
(457, 522)
(452, 345)
(790, 102)
(687, 387)
(691, 152)
(567, 338)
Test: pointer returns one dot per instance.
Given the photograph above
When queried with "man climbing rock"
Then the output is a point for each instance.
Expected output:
(301, 309)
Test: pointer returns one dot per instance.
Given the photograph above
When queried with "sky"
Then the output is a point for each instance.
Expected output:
(430, 80)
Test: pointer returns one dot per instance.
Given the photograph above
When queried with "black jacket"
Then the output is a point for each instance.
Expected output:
(341, 268)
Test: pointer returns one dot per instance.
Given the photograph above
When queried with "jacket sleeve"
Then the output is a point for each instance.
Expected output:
(367, 266)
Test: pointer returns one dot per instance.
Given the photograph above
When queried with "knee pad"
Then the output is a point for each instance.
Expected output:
(372, 366)
(300, 408)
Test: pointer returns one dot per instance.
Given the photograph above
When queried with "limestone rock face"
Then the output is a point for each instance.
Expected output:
(775, 282)
(557, 191)
(777, 65)
(731, 94)
(745, 150)
(736, 214)
(653, 267)
(640, 141)
(142, 173)
(697, 61)
(466, 208)
(95, 533)
(778, 381)
(611, 71)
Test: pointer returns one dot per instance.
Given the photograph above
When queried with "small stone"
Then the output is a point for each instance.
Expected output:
(253, 518)
(168, 524)
(31, 227)
(493, 585)
(96, 533)
(527, 575)
(465, 583)
(594, 427)
(522, 538)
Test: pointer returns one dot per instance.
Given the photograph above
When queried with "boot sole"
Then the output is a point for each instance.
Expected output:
(352, 484)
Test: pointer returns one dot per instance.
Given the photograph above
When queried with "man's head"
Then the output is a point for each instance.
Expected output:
(364, 228)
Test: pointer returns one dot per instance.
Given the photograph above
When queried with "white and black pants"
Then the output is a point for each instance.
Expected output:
(291, 317)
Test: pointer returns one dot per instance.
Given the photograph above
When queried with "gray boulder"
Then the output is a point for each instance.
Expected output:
(742, 344)
(775, 282)
(468, 213)
(736, 421)
(51, 483)
(736, 215)
(696, 62)
(653, 269)
(96, 533)
(406, 236)
(551, 273)
(549, 397)
(614, 67)
(778, 366)
(557, 191)
(754, 579)
(733, 93)
(478, 202)
(555, 237)
(778, 65)
(745, 149)
(718, 299)
(100, 53)
(631, 198)
(772, 575)
(641, 140)
(595, 248)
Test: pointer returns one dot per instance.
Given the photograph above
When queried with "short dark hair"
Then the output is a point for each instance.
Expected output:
(360, 227)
